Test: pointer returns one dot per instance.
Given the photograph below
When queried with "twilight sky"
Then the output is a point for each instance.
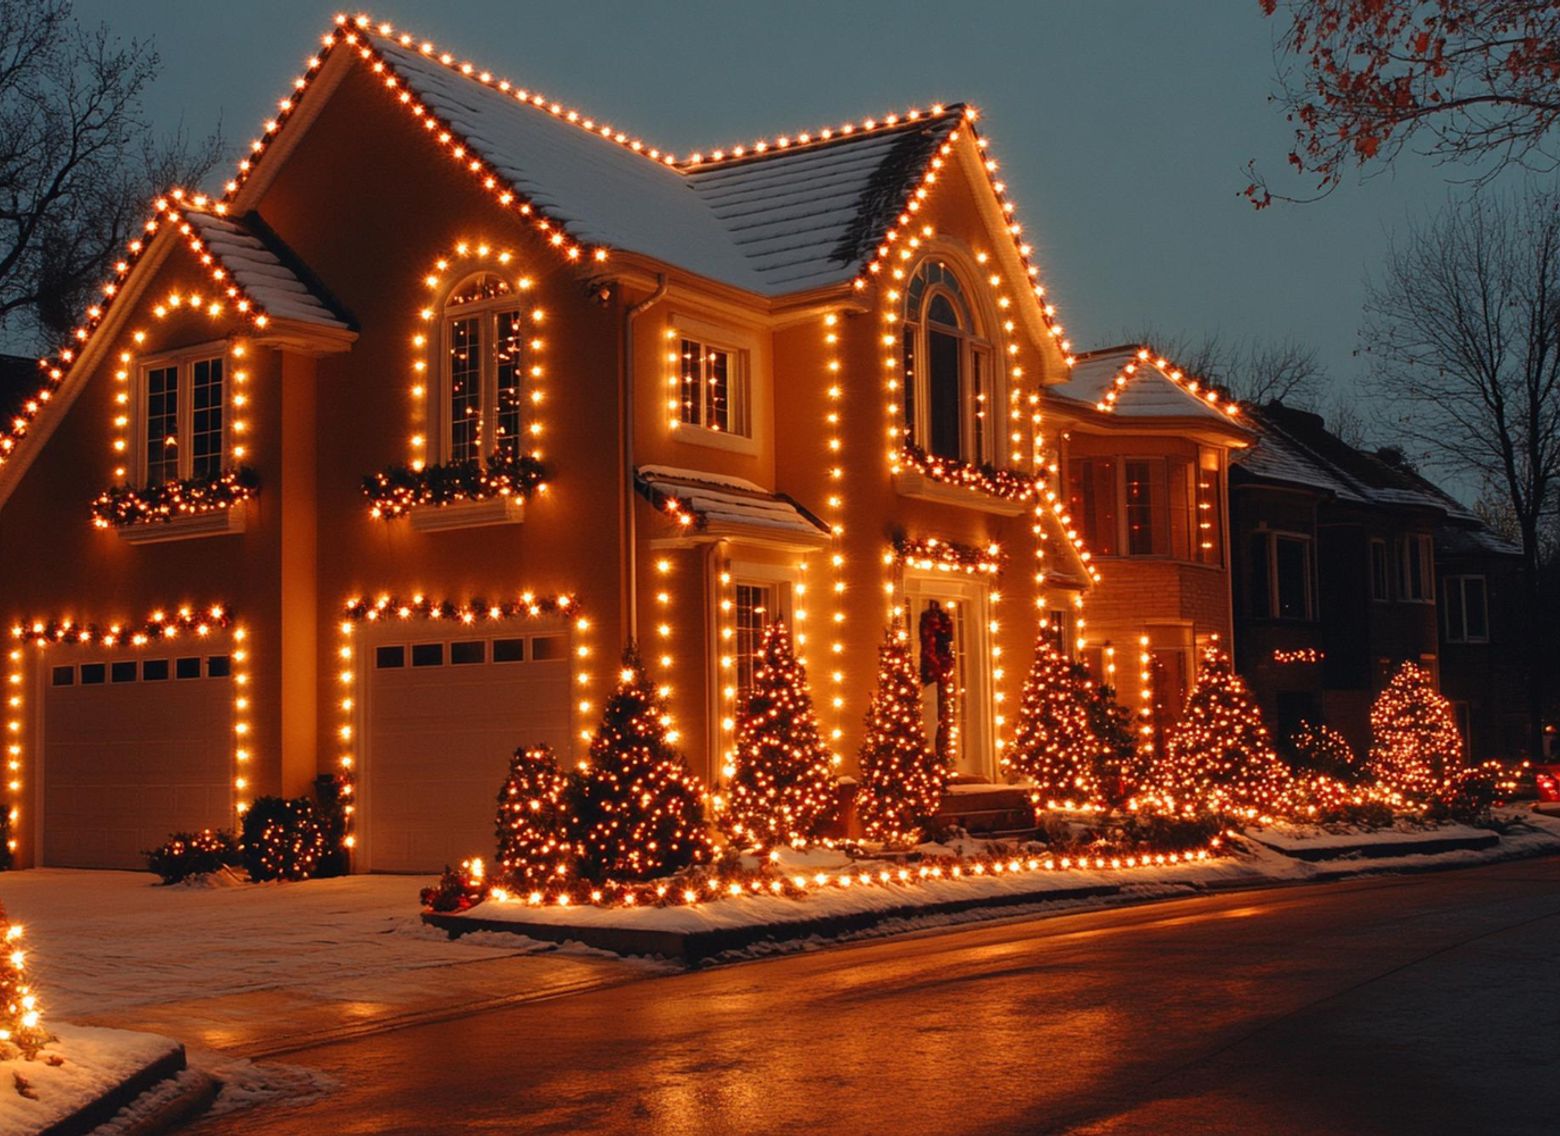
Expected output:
(1122, 127)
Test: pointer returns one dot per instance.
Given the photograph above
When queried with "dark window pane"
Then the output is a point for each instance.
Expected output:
(944, 401)
(546, 648)
(122, 671)
(717, 392)
(219, 666)
(1257, 580)
(908, 381)
(468, 651)
(187, 668)
(1474, 605)
(64, 676)
(1380, 575)
(427, 654)
(508, 356)
(162, 425)
(1091, 502)
(206, 418)
(1293, 570)
(941, 310)
(1455, 628)
(154, 670)
(93, 673)
(692, 376)
(1145, 502)
(386, 658)
(509, 650)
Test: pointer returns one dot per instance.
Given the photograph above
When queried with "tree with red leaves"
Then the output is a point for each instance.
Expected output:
(1476, 81)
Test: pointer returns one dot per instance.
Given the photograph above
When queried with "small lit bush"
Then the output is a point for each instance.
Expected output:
(186, 854)
(283, 839)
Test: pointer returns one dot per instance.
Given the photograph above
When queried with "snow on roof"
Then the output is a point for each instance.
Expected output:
(1113, 380)
(774, 223)
(710, 500)
(255, 267)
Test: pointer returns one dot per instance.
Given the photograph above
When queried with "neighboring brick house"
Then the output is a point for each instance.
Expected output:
(594, 393)
(1340, 557)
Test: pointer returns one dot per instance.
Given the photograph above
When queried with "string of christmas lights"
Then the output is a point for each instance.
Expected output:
(159, 504)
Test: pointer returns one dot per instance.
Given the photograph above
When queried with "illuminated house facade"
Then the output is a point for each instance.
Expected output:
(371, 466)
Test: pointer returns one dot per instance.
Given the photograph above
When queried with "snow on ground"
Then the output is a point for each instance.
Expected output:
(95, 1062)
(99, 942)
(1294, 837)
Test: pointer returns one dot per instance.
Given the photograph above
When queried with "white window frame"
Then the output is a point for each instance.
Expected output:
(1385, 594)
(1426, 568)
(183, 361)
(487, 311)
(972, 345)
(743, 383)
(1461, 634)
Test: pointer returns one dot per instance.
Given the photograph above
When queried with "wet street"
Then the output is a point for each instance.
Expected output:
(1413, 1004)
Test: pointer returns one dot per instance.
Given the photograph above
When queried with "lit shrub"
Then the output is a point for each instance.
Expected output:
(186, 854)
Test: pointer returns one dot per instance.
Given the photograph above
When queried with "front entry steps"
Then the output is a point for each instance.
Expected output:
(983, 809)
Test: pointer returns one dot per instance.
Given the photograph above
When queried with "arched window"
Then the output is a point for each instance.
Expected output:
(947, 370)
(482, 385)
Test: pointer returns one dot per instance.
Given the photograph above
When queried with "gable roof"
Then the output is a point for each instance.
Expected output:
(1295, 447)
(1134, 381)
(259, 266)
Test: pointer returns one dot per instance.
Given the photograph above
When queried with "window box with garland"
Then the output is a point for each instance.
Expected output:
(484, 347)
(181, 452)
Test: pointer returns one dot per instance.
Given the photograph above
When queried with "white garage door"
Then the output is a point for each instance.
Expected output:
(135, 746)
(443, 715)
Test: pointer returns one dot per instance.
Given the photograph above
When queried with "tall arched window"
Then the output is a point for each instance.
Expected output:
(947, 369)
(483, 387)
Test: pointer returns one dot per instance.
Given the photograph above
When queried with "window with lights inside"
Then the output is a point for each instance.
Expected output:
(488, 346)
(183, 402)
(949, 394)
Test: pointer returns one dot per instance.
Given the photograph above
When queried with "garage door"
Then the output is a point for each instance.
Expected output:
(135, 746)
(443, 715)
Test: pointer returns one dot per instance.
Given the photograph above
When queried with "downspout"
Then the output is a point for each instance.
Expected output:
(630, 526)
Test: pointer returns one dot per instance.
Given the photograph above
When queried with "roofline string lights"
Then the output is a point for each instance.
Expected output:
(388, 609)
(161, 626)
(1192, 386)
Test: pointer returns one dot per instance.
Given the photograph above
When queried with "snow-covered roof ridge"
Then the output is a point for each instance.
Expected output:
(1112, 380)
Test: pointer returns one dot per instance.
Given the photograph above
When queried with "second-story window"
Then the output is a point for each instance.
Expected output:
(486, 351)
(1416, 561)
(949, 399)
(713, 390)
(183, 411)
(1279, 577)
(1467, 610)
(1152, 506)
(1380, 572)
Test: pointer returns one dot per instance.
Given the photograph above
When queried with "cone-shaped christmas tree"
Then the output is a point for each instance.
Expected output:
(533, 813)
(783, 786)
(1054, 745)
(638, 812)
(21, 1025)
(902, 779)
(1219, 754)
(1414, 740)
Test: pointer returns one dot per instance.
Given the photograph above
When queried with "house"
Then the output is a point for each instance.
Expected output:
(372, 465)
(1340, 559)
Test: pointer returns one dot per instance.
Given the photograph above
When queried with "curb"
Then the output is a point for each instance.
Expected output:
(106, 1107)
(693, 947)
(1382, 850)
(194, 1093)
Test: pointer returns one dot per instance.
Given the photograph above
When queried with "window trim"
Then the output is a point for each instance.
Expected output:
(1461, 581)
(1384, 594)
(439, 389)
(745, 393)
(1308, 543)
(1426, 568)
(978, 445)
(183, 362)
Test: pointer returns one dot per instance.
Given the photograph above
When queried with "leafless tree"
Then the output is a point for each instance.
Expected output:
(1253, 370)
(1346, 420)
(1462, 328)
(78, 161)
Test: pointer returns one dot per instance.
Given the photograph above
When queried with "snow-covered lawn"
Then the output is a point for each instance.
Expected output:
(94, 1062)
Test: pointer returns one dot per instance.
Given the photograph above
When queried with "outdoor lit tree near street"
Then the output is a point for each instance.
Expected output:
(1415, 744)
(639, 812)
(902, 778)
(1474, 81)
(1220, 753)
(1463, 339)
(21, 1028)
(782, 788)
(1054, 745)
(533, 814)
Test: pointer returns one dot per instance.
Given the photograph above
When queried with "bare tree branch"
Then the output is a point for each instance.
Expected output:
(1252, 370)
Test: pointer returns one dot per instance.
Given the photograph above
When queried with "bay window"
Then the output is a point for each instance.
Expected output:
(1166, 507)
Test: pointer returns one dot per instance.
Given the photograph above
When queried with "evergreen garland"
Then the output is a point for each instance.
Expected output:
(533, 816)
(1415, 743)
(782, 789)
(639, 812)
(1054, 745)
(902, 778)
(1219, 753)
